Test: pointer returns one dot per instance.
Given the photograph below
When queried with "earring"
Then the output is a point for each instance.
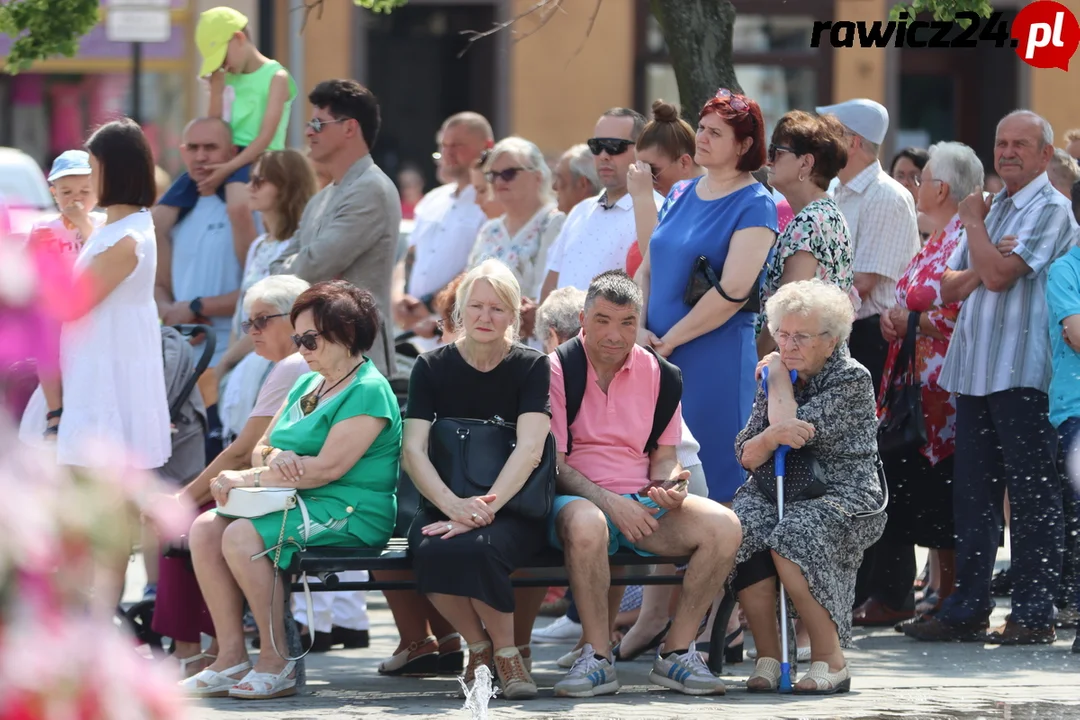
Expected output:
(802, 179)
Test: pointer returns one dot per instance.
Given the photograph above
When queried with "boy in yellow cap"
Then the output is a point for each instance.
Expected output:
(250, 91)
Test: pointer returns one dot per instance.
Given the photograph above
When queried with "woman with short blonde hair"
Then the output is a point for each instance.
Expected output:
(464, 548)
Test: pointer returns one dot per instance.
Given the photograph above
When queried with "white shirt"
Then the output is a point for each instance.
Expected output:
(880, 213)
(444, 234)
(594, 239)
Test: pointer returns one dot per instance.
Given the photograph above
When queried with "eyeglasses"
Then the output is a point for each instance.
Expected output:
(612, 146)
(482, 159)
(258, 323)
(737, 102)
(656, 173)
(256, 182)
(506, 175)
(914, 178)
(773, 149)
(306, 340)
(317, 124)
(800, 339)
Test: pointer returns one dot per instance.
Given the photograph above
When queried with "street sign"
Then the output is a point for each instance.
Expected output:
(138, 21)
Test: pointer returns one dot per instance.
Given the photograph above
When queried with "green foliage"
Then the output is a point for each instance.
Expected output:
(380, 5)
(44, 27)
(943, 9)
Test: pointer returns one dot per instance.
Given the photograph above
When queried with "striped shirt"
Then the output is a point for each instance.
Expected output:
(1001, 340)
(880, 214)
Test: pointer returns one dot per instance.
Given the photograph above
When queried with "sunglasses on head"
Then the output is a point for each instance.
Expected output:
(612, 146)
(317, 125)
(737, 102)
(306, 340)
(774, 149)
(258, 323)
(506, 175)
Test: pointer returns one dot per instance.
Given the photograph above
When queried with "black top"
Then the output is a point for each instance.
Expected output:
(443, 384)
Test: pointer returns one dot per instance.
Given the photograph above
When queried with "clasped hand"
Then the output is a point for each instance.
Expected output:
(463, 515)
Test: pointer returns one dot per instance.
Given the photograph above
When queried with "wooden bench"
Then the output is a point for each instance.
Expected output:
(548, 570)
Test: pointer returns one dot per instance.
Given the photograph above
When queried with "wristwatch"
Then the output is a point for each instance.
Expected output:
(196, 306)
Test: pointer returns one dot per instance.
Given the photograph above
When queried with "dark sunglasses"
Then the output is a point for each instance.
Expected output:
(259, 323)
(506, 175)
(257, 181)
(306, 340)
(317, 125)
(612, 146)
(773, 149)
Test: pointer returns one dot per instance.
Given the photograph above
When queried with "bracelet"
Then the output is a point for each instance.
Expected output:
(258, 472)
(266, 452)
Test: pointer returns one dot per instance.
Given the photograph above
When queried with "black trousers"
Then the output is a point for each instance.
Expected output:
(869, 347)
(1005, 440)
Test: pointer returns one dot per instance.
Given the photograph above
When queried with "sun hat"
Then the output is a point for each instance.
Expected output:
(212, 35)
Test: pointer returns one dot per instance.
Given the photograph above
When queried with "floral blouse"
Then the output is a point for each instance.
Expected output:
(526, 252)
(821, 230)
(919, 290)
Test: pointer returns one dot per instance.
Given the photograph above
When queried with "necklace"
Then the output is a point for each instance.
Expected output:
(309, 402)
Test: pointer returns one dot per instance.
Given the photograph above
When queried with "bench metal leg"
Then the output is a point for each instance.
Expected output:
(719, 630)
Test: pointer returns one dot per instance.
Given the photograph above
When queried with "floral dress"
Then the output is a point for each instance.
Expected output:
(919, 290)
(526, 252)
(821, 230)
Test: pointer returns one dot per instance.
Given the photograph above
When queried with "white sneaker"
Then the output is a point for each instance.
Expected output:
(567, 661)
(563, 630)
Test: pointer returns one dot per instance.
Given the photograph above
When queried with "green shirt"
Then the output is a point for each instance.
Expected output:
(250, 98)
(366, 494)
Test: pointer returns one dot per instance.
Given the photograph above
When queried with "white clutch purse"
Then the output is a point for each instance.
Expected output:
(252, 502)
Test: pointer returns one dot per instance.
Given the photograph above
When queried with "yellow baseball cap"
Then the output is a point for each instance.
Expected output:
(212, 35)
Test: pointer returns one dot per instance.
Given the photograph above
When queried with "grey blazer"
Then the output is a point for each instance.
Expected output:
(349, 231)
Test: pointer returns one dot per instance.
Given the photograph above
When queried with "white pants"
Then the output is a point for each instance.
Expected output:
(346, 609)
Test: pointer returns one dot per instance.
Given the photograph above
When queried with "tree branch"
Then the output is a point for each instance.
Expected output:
(588, 31)
(547, 10)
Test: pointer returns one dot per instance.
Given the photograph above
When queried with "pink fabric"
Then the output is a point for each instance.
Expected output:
(180, 611)
(611, 429)
(277, 385)
(784, 214)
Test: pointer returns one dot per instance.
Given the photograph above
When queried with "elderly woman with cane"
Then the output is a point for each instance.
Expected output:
(833, 498)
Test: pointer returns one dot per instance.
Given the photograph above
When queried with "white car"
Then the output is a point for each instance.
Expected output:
(24, 192)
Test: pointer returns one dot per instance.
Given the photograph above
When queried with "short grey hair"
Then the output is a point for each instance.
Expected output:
(617, 288)
(1044, 124)
(280, 291)
(873, 147)
(1064, 166)
(956, 165)
(580, 159)
(561, 312)
(813, 297)
(529, 156)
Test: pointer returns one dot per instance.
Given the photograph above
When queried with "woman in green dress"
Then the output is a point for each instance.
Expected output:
(337, 440)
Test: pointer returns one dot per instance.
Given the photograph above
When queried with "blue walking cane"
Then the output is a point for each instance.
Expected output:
(779, 456)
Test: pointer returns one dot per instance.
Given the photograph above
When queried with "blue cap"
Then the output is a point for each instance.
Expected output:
(70, 162)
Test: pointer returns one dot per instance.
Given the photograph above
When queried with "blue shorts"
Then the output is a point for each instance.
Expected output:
(616, 539)
(184, 193)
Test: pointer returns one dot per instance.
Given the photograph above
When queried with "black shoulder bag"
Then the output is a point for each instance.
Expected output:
(903, 429)
(469, 455)
(703, 278)
(802, 476)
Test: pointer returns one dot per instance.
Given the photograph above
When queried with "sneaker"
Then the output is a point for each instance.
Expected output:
(563, 630)
(686, 673)
(590, 676)
(514, 677)
(567, 661)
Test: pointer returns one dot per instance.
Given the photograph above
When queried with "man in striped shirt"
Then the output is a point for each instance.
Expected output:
(998, 364)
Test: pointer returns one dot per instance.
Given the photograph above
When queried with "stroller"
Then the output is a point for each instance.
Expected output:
(188, 416)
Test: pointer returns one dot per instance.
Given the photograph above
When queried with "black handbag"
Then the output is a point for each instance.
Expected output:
(802, 476)
(469, 455)
(703, 278)
(903, 428)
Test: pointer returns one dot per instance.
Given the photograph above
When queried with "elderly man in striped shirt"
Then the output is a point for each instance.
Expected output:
(998, 364)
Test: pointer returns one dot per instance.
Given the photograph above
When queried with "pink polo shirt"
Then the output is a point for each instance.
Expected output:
(611, 429)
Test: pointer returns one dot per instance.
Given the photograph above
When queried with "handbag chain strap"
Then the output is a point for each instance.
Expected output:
(303, 579)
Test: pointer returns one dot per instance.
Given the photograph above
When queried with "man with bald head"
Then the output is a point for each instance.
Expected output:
(998, 365)
(447, 221)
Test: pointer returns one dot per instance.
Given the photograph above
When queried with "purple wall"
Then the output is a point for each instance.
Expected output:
(94, 45)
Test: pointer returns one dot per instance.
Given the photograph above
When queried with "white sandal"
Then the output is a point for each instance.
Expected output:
(768, 669)
(825, 682)
(184, 662)
(213, 684)
(266, 686)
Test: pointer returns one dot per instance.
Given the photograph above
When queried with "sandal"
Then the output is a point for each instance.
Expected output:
(825, 682)
(651, 645)
(451, 662)
(406, 664)
(265, 686)
(184, 662)
(767, 669)
(213, 684)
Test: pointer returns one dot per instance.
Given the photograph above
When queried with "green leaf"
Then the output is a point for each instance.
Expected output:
(44, 28)
(944, 10)
(385, 6)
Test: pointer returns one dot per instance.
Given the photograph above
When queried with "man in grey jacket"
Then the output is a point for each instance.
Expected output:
(349, 229)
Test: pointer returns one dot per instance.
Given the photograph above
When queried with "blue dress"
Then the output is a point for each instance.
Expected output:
(718, 367)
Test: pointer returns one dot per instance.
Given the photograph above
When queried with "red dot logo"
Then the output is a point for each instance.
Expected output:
(1046, 34)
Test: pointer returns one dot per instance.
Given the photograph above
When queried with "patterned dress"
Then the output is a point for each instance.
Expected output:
(819, 229)
(821, 536)
(919, 290)
(526, 252)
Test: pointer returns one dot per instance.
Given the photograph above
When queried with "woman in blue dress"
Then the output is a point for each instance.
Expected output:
(729, 218)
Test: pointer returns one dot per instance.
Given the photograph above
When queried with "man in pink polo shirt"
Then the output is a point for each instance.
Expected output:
(605, 505)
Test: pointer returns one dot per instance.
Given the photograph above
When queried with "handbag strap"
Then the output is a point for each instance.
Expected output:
(904, 365)
(305, 534)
